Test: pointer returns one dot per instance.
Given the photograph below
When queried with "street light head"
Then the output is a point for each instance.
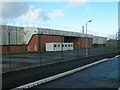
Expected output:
(90, 21)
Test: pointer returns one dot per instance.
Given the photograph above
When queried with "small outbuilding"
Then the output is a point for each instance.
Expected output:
(59, 46)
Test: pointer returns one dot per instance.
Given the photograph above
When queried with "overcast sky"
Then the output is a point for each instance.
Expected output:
(70, 16)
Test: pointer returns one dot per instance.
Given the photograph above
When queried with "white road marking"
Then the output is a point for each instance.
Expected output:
(39, 82)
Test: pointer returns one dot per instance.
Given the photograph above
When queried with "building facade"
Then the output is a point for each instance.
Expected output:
(34, 39)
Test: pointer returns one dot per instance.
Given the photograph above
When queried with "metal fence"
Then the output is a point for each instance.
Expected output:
(12, 60)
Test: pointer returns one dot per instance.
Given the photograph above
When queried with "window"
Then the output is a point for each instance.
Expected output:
(62, 45)
(69, 45)
(65, 45)
(55, 45)
(58, 45)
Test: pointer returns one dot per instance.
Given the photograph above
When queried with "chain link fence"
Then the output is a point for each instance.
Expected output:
(27, 48)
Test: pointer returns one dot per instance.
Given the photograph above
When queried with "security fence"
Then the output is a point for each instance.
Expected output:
(19, 51)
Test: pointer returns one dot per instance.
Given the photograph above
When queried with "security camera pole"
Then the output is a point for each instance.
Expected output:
(86, 38)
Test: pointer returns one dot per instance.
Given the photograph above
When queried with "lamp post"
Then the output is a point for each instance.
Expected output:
(77, 46)
(62, 45)
(39, 45)
(9, 51)
(86, 38)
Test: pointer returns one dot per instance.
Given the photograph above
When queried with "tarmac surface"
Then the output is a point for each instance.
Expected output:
(21, 77)
(103, 75)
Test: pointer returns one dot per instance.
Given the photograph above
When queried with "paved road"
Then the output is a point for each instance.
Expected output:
(103, 75)
(21, 77)
(28, 59)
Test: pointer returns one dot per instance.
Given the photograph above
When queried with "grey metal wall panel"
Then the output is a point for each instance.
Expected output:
(22, 35)
(16, 36)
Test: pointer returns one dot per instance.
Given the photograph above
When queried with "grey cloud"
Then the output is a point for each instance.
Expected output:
(13, 9)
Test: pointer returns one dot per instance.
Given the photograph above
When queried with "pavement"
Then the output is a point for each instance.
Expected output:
(17, 78)
(23, 60)
(103, 75)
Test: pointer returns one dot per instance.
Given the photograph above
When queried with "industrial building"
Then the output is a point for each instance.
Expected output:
(35, 39)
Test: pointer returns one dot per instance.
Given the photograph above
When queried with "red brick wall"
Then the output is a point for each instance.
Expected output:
(79, 42)
(50, 39)
(72, 40)
(83, 44)
(90, 43)
(12, 48)
(33, 43)
(43, 39)
(0, 48)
